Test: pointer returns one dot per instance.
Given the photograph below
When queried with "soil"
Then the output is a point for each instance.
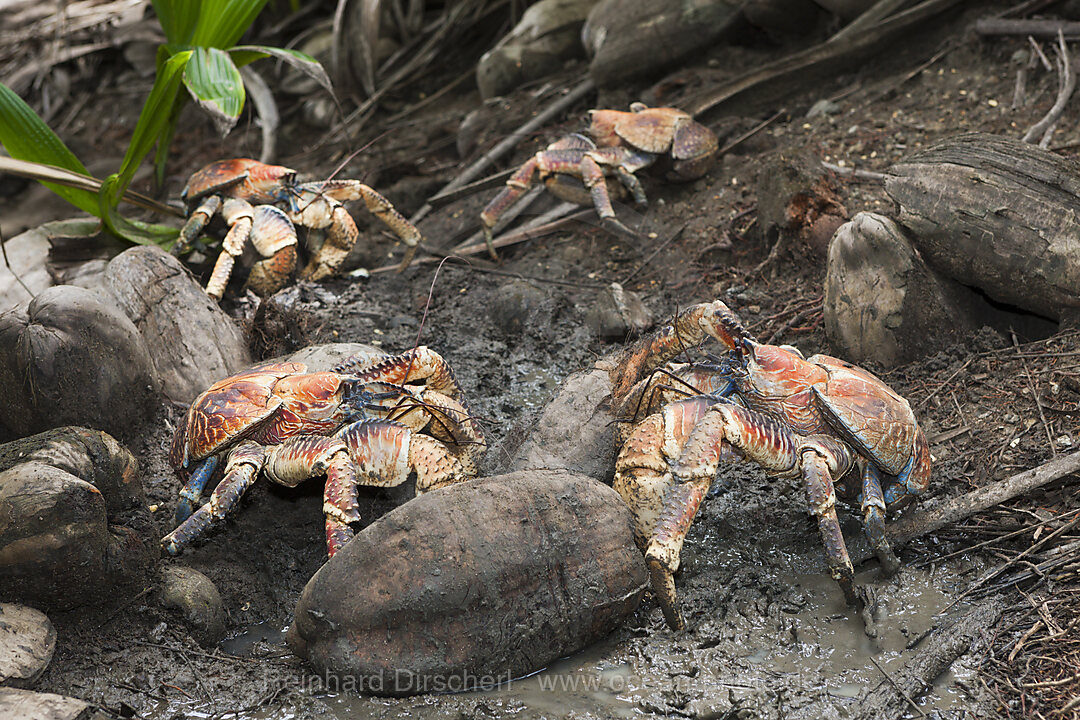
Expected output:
(769, 633)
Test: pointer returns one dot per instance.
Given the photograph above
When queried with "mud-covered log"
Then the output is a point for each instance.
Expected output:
(893, 696)
(998, 214)
(191, 341)
(472, 584)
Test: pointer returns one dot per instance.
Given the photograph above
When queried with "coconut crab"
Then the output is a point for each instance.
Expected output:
(832, 424)
(359, 424)
(617, 143)
(260, 203)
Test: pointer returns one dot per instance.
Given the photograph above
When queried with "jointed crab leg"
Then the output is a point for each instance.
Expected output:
(726, 429)
(192, 490)
(243, 467)
(379, 453)
(342, 232)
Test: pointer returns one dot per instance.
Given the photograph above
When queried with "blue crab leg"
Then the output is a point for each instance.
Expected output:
(245, 462)
(873, 508)
(913, 479)
(192, 491)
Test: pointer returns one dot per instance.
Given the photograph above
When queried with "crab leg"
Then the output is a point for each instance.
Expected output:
(724, 431)
(238, 215)
(342, 233)
(195, 224)
(419, 364)
(304, 456)
(243, 467)
(192, 490)
(274, 237)
(642, 470)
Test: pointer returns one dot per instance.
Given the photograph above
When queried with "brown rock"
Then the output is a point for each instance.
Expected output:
(27, 643)
(472, 584)
(882, 303)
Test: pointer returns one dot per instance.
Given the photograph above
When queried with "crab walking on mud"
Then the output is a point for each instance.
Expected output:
(260, 203)
(358, 424)
(618, 144)
(831, 423)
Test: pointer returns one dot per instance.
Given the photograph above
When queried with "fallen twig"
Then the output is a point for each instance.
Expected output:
(544, 224)
(799, 64)
(1066, 86)
(947, 642)
(934, 516)
(1035, 28)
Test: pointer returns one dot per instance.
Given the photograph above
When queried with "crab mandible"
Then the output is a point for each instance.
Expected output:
(832, 424)
(358, 423)
(260, 203)
(617, 143)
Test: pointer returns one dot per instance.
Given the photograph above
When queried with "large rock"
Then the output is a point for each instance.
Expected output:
(631, 38)
(997, 214)
(27, 644)
(58, 548)
(70, 356)
(883, 304)
(574, 430)
(548, 34)
(191, 341)
(16, 704)
(472, 584)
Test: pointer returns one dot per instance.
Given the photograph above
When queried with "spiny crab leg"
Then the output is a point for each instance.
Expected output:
(727, 431)
(690, 327)
(419, 364)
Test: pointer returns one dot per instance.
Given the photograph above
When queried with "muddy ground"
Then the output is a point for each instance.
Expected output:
(769, 633)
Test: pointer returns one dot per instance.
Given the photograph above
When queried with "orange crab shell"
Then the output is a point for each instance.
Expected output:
(238, 406)
(241, 177)
(659, 131)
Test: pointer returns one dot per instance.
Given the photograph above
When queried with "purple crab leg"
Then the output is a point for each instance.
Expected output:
(873, 508)
(192, 491)
(245, 462)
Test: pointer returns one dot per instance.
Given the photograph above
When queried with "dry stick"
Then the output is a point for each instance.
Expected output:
(854, 174)
(509, 143)
(505, 219)
(1045, 127)
(869, 18)
(896, 685)
(947, 642)
(445, 197)
(1035, 397)
(1035, 28)
(933, 516)
(535, 230)
(830, 51)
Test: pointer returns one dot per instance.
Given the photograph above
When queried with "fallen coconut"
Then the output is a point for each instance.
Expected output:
(472, 585)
